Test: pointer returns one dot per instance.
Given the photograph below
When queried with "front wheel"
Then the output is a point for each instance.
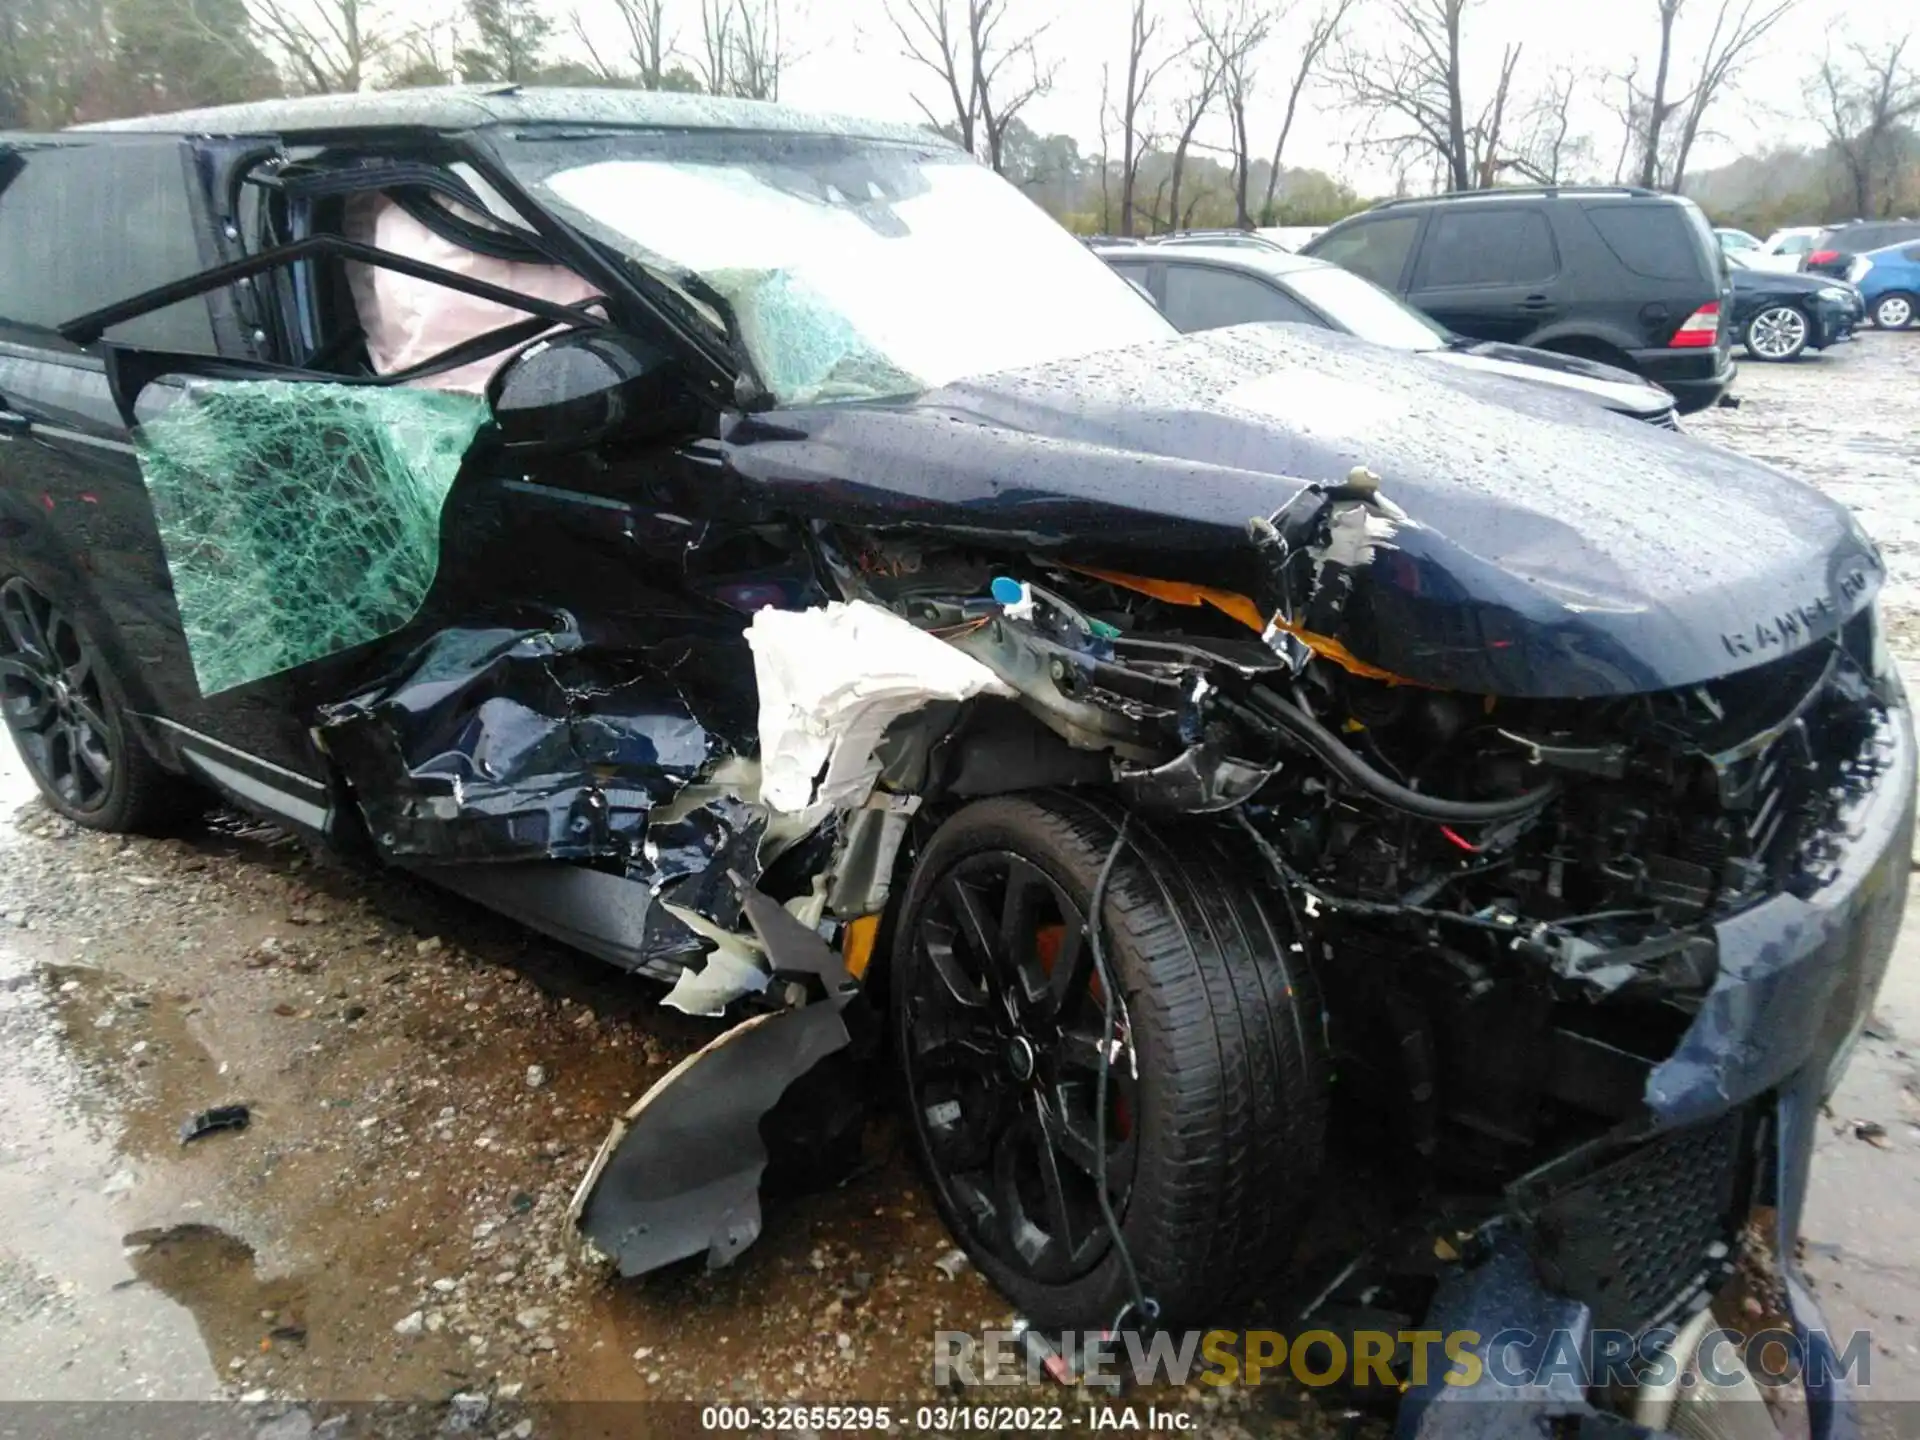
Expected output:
(1780, 332)
(1894, 311)
(1215, 1116)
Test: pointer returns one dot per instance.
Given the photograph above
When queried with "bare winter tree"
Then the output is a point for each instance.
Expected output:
(1203, 89)
(421, 54)
(1863, 104)
(1486, 137)
(325, 45)
(1142, 71)
(649, 45)
(1321, 32)
(1546, 150)
(742, 49)
(714, 63)
(933, 36)
(1626, 107)
(1738, 28)
(1665, 123)
(1106, 155)
(759, 54)
(1656, 108)
(1234, 32)
(989, 75)
(1007, 76)
(1412, 84)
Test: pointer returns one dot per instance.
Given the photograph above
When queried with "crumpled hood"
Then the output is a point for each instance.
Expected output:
(1548, 547)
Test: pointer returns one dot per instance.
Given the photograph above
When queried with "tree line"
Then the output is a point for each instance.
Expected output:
(1197, 102)
(67, 61)
(1430, 102)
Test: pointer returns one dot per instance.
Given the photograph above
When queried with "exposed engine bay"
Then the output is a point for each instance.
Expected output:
(1471, 867)
(1506, 904)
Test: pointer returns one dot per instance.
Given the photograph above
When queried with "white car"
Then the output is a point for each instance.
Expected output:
(1784, 249)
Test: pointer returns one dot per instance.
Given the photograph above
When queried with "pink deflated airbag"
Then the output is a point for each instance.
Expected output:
(408, 321)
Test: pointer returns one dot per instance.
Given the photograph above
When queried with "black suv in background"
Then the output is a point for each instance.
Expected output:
(1834, 250)
(1629, 277)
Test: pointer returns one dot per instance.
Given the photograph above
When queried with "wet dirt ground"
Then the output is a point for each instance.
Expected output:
(426, 1085)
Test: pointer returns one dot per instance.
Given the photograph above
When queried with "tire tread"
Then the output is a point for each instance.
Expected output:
(1237, 1114)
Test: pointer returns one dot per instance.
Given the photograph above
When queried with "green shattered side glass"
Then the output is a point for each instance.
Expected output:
(300, 520)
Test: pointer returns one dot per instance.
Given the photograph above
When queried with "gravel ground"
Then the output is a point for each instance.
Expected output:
(428, 1083)
(1847, 419)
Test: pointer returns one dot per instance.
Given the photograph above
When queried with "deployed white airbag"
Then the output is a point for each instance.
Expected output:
(831, 680)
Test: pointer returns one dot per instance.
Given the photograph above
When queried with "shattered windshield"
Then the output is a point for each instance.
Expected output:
(854, 269)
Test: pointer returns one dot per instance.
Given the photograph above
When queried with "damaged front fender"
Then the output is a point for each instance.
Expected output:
(680, 1173)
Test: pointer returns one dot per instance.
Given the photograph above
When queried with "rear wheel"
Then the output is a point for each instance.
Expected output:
(1216, 1090)
(1779, 332)
(1894, 311)
(68, 720)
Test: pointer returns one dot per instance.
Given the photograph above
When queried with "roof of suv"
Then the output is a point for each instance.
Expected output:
(1876, 233)
(464, 107)
(1510, 193)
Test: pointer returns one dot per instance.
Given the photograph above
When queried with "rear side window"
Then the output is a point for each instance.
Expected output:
(1374, 248)
(1872, 237)
(1654, 240)
(1856, 238)
(1139, 274)
(1199, 298)
(82, 226)
(1487, 247)
(1796, 245)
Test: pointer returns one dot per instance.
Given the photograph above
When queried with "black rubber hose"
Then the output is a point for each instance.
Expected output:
(1338, 757)
(1144, 1306)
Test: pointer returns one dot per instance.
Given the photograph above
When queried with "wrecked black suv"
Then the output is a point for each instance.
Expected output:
(1320, 830)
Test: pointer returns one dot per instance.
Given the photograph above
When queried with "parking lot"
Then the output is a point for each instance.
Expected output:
(426, 1085)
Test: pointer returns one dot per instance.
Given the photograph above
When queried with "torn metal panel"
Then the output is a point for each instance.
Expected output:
(520, 748)
(725, 978)
(610, 917)
(680, 1172)
(870, 841)
(794, 949)
(831, 681)
(513, 743)
(299, 520)
(735, 968)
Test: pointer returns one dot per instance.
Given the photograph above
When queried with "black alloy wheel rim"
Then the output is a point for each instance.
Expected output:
(50, 694)
(1001, 1046)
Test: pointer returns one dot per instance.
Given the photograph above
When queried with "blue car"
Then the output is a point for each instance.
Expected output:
(1889, 278)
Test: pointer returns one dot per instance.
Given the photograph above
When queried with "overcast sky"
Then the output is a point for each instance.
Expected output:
(853, 62)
